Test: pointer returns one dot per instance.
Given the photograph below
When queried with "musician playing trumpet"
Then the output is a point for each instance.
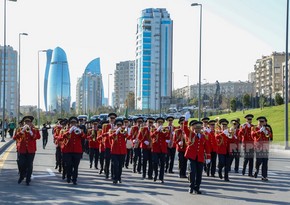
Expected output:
(145, 145)
(211, 133)
(93, 142)
(197, 149)
(179, 141)
(136, 144)
(160, 138)
(118, 150)
(26, 147)
(72, 140)
(223, 141)
(262, 136)
(171, 147)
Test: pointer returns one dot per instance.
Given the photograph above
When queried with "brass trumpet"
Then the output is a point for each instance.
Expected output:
(165, 130)
(28, 129)
(77, 131)
(123, 130)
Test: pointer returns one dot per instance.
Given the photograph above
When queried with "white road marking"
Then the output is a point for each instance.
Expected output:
(50, 174)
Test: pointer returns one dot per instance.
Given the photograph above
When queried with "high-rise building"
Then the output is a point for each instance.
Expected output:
(153, 59)
(124, 82)
(89, 90)
(58, 83)
(11, 98)
(48, 60)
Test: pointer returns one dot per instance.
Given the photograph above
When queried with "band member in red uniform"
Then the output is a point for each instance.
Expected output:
(102, 146)
(145, 145)
(56, 133)
(72, 140)
(106, 129)
(197, 149)
(179, 140)
(211, 167)
(129, 143)
(136, 150)
(118, 150)
(262, 136)
(26, 147)
(248, 144)
(92, 137)
(171, 147)
(160, 138)
(235, 145)
(223, 149)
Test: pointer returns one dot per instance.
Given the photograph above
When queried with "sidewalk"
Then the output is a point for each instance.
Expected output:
(6, 144)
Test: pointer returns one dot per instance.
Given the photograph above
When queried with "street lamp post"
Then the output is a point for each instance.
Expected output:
(18, 76)
(188, 89)
(286, 79)
(38, 90)
(199, 75)
(4, 71)
(109, 89)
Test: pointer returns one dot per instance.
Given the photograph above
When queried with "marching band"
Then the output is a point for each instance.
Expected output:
(150, 147)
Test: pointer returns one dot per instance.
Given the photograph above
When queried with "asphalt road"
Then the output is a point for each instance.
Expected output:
(47, 187)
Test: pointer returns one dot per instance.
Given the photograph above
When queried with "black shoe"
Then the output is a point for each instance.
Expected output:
(120, 181)
(27, 183)
(190, 190)
(243, 172)
(227, 180)
(96, 167)
(198, 192)
(251, 175)
(75, 183)
(114, 181)
(55, 167)
(165, 171)
(264, 179)
(162, 182)
(155, 179)
(90, 165)
(20, 180)
(220, 175)
(256, 175)
(212, 175)
(68, 180)
(63, 176)
(171, 172)
(139, 172)
(101, 171)
(150, 178)
(127, 167)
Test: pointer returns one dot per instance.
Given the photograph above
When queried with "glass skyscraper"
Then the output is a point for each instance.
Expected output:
(153, 59)
(48, 60)
(89, 91)
(58, 83)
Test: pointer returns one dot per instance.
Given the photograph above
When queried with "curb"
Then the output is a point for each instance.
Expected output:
(5, 146)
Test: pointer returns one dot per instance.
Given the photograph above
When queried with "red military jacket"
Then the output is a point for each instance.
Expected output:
(101, 143)
(171, 129)
(144, 135)
(159, 138)
(245, 133)
(179, 136)
(235, 140)
(72, 142)
(26, 143)
(197, 147)
(106, 135)
(56, 132)
(212, 141)
(92, 136)
(261, 139)
(223, 143)
(118, 142)
(134, 136)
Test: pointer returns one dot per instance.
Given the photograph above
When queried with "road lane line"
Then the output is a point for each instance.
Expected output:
(50, 174)
(5, 155)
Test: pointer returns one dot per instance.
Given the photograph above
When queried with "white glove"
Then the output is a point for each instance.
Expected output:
(262, 129)
(187, 115)
(146, 142)
(244, 126)
(248, 125)
(72, 129)
(208, 130)
(266, 132)
(159, 128)
(31, 133)
(24, 128)
(226, 132)
(167, 141)
(118, 130)
(180, 143)
(135, 141)
(207, 161)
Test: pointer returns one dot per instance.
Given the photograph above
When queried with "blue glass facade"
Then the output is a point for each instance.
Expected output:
(48, 60)
(58, 83)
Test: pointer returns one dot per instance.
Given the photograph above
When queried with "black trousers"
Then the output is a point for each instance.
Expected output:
(102, 157)
(94, 156)
(137, 159)
(73, 161)
(58, 158)
(170, 156)
(25, 163)
(248, 158)
(224, 162)
(211, 167)
(128, 157)
(158, 159)
(117, 164)
(195, 174)
(147, 158)
(235, 156)
(44, 141)
(107, 161)
(182, 164)
(262, 158)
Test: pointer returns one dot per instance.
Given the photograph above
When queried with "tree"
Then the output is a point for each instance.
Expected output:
(130, 101)
(278, 99)
(233, 105)
(247, 100)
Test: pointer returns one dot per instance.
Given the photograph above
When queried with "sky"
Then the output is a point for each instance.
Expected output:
(235, 33)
